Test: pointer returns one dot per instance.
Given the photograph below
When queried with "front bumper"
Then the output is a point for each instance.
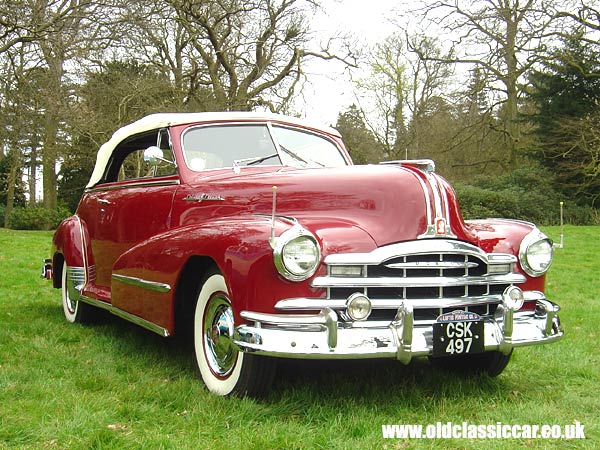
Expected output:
(323, 336)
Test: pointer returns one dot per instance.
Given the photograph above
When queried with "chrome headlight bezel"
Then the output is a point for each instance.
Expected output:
(531, 246)
(287, 268)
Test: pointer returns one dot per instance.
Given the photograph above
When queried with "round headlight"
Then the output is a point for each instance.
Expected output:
(296, 254)
(536, 253)
(300, 255)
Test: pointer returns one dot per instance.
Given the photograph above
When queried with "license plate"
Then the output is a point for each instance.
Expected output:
(458, 337)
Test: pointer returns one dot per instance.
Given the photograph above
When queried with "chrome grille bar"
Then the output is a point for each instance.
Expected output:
(398, 282)
(432, 265)
(321, 303)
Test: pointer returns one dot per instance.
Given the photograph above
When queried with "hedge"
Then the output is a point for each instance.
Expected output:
(36, 218)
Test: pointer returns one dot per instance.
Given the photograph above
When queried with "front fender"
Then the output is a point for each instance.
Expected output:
(241, 250)
(505, 236)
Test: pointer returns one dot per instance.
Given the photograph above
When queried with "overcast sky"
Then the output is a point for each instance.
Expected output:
(329, 90)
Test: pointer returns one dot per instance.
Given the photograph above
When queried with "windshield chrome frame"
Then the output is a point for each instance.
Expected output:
(270, 125)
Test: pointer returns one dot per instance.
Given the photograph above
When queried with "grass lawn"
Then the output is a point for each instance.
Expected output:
(112, 385)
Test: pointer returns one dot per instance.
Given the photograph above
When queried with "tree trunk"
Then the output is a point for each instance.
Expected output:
(512, 93)
(33, 174)
(11, 183)
(51, 126)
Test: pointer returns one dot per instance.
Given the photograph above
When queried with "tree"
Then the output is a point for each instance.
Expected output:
(359, 140)
(20, 137)
(407, 91)
(251, 52)
(385, 89)
(117, 94)
(566, 100)
(157, 39)
(55, 34)
(584, 14)
(475, 147)
(21, 22)
(505, 39)
(427, 101)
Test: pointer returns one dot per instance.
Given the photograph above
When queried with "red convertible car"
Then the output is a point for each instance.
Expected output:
(256, 234)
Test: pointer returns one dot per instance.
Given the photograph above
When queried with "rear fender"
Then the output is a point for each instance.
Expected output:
(70, 246)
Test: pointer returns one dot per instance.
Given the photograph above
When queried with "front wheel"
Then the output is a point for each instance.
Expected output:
(224, 369)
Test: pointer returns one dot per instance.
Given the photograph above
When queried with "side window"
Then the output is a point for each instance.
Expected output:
(128, 162)
(134, 166)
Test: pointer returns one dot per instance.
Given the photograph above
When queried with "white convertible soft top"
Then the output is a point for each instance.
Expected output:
(162, 120)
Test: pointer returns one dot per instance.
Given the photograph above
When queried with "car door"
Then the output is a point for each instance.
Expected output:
(131, 204)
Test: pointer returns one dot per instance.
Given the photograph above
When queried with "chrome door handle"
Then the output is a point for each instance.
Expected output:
(103, 201)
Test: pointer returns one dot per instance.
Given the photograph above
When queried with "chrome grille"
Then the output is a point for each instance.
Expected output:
(435, 276)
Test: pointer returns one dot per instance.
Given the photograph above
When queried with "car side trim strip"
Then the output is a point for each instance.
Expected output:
(141, 283)
(133, 184)
(127, 316)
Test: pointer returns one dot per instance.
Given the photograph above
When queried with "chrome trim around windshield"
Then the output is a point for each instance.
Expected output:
(141, 283)
(269, 123)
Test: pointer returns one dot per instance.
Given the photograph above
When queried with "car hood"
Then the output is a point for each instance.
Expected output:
(391, 203)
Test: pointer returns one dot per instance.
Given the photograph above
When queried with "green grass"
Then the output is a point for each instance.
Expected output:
(112, 385)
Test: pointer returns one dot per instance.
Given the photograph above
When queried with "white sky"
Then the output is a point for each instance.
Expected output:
(330, 90)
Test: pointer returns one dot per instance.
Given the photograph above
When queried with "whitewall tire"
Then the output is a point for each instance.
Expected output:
(224, 369)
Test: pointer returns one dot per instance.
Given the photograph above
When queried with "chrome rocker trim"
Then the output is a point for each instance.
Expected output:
(125, 315)
(77, 277)
(321, 336)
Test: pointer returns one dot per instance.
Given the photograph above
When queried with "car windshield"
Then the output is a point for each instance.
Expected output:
(213, 147)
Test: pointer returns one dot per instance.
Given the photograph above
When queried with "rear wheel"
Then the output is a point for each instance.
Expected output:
(75, 311)
(492, 363)
(224, 369)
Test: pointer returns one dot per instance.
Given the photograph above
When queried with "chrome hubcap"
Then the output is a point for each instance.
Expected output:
(218, 328)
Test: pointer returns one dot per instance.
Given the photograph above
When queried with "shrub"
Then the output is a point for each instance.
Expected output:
(36, 218)
(525, 194)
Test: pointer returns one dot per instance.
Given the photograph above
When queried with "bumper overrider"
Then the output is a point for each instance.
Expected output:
(324, 336)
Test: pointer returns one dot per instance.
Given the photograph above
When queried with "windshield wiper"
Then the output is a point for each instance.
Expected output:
(253, 160)
(298, 158)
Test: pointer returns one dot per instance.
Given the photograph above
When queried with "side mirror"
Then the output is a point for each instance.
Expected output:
(152, 155)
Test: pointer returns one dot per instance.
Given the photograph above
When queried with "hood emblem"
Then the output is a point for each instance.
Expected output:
(203, 198)
(440, 226)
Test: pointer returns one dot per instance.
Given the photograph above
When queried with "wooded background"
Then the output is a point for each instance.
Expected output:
(502, 94)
